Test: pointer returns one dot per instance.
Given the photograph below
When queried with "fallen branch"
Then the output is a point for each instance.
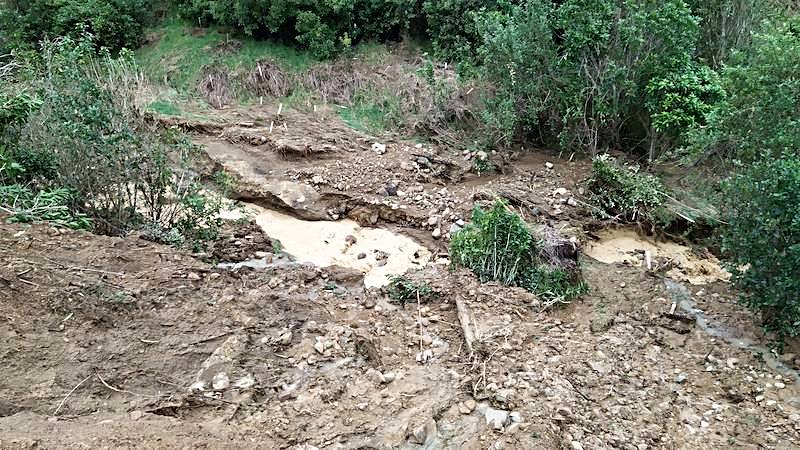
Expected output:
(60, 405)
(466, 327)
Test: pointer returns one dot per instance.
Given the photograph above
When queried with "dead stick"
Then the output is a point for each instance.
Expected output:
(70, 393)
(463, 317)
(115, 389)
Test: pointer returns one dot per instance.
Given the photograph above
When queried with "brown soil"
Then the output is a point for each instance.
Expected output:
(123, 343)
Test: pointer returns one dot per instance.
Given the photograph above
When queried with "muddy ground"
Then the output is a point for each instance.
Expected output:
(123, 343)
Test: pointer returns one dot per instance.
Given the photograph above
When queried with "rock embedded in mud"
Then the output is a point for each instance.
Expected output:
(496, 418)
(220, 382)
(379, 148)
(437, 233)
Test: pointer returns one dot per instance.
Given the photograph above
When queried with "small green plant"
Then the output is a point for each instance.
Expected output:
(622, 192)
(481, 164)
(404, 290)
(498, 245)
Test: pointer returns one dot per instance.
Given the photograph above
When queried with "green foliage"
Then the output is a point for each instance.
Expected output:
(681, 100)
(403, 290)
(454, 25)
(497, 245)
(116, 24)
(578, 71)
(761, 116)
(623, 193)
(50, 205)
(325, 27)
(762, 240)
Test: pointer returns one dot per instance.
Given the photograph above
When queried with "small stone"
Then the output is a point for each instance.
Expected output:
(379, 148)
(376, 376)
(577, 445)
(572, 202)
(317, 179)
(193, 276)
(496, 418)
(548, 165)
(246, 382)
(285, 338)
(433, 221)
(362, 255)
(350, 239)
(515, 417)
(424, 433)
(319, 346)
(503, 395)
(136, 415)
(779, 385)
(681, 378)
(437, 233)
(468, 406)
(561, 192)
(220, 381)
(197, 386)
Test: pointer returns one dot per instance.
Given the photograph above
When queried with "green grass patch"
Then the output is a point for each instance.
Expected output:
(164, 108)
(180, 52)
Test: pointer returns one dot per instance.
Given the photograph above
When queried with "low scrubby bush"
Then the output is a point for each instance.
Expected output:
(761, 240)
(89, 142)
(498, 245)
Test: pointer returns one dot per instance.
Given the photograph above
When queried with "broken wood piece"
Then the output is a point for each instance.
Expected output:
(466, 323)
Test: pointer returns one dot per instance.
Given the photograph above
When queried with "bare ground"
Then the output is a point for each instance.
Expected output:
(122, 343)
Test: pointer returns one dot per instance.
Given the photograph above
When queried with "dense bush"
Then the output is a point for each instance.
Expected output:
(762, 240)
(761, 115)
(595, 74)
(325, 27)
(498, 245)
(114, 23)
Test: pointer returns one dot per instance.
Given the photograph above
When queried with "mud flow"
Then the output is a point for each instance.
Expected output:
(377, 253)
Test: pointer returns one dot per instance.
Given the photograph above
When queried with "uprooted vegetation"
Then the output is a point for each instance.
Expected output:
(624, 193)
(498, 245)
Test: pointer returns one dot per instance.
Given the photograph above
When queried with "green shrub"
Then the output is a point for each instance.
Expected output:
(404, 290)
(761, 116)
(90, 138)
(762, 240)
(115, 24)
(622, 192)
(497, 245)
(577, 71)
